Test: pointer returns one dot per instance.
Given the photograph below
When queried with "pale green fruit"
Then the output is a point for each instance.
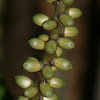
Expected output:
(50, 1)
(59, 51)
(50, 47)
(46, 90)
(70, 31)
(66, 43)
(68, 2)
(38, 19)
(31, 66)
(47, 72)
(49, 25)
(74, 12)
(63, 64)
(32, 58)
(22, 98)
(56, 83)
(23, 81)
(44, 37)
(54, 97)
(30, 92)
(66, 20)
(36, 43)
(54, 68)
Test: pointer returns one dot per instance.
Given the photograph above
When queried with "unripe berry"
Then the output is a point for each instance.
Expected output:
(66, 43)
(46, 90)
(56, 83)
(49, 25)
(62, 64)
(22, 98)
(38, 19)
(59, 51)
(54, 68)
(66, 20)
(30, 92)
(32, 58)
(70, 31)
(47, 72)
(68, 2)
(50, 47)
(44, 37)
(23, 81)
(36, 43)
(74, 12)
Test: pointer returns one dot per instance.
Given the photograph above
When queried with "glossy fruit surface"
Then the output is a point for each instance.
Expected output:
(47, 72)
(54, 68)
(74, 12)
(46, 90)
(32, 58)
(50, 47)
(36, 43)
(63, 64)
(66, 20)
(31, 66)
(66, 43)
(30, 92)
(54, 97)
(59, 51)
(70, 31)
(23, 81)
(44, 37)
(22, 98)
(56, 83)
(49, 25)
(38, 19)
(68, 2)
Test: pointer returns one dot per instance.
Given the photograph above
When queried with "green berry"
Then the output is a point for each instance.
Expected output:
(70, 31)
(74, 12)
(59, 51)
(56, 83)
(31, 66)
(50, 1)
(63, 64)
(41, 65)
(30, 92)
(54, 97)
(44, 37)
(66, 20)
(49, 25)
(38, 19)
(46, 90)
(36, 43)
(68, 2)
(47, 72)
(22, 98)
(23, 81)
(50, 47)
(66, 43)
(32, 58)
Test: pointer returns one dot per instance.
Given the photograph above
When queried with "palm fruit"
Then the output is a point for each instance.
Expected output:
(66, 43)
(38, 19)
(66, 20)
(30, 92)
(36, 43)
(32, 65)
(22, 98)
(62, 64)
(56, 83)
(44, 37)
(70, 31)
(47, 72)
(50, 47)
(49, 25)
(23, 81)
(41, 65)
(46, 90)
(54, 68)
(32, 58)
(50, 1)
(54, 97)
(68, 2)
(74, 12)
(59, 51)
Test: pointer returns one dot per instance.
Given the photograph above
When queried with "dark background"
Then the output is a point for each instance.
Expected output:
(16, 28)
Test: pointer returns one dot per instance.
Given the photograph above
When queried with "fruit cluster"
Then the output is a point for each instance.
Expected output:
(61, 28)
